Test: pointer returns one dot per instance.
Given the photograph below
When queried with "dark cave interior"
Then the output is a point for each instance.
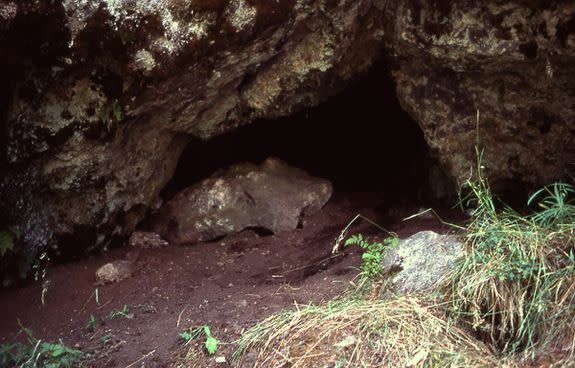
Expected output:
(360, 139)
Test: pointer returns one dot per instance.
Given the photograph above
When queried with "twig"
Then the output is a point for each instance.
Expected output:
(142, 358)
(345, 229)
(436, 215)
(86, 304)
(105, 304)
(333, 256)
(180, 316)
(34, 354)
(282, 355)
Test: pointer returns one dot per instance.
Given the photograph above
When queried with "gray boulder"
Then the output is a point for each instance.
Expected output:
(271, 196)
(421, 260)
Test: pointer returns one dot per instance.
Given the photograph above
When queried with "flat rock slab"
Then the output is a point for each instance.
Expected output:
(421, 260)
(271, 196)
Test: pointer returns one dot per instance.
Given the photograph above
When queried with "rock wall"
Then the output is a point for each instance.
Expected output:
(94, 129)
(513, 61)
(100, 97)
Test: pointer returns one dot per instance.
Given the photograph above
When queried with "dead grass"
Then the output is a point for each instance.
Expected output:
(399, 332)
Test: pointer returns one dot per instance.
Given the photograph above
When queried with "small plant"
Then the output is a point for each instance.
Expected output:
(555, 203)
(374, 253)
(124, 312)
(211, 343)
(92, 323)
(106, 338)
(111, 114)
(188, 335)
(38, 354)
(8, 237)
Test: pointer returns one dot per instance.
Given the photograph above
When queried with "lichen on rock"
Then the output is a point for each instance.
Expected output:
(241, 14)
(128, 16)
(422, 260)
(459, 58)
(8, 11)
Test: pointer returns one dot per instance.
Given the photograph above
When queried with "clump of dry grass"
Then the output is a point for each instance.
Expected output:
(399, 332)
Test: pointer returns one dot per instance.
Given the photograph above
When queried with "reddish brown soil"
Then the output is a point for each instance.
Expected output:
(229, 285)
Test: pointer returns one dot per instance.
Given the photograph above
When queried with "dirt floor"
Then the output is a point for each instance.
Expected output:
(229, 285)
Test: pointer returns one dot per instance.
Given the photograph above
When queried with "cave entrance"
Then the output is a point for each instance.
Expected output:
(360, 139)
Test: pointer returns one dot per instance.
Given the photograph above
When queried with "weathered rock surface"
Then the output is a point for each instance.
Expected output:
(98, 98)
(513, 61)
(271, 196)
(114, 272)
(421, 260)
(104, 95)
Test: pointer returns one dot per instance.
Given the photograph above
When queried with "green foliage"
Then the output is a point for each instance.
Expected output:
(111, 113)
(556, 204)
(105, 339)
(186, 336)
(210, 342)
(517, 284)
(8, 237)
(124, 312)
(38, 354)
(373, 253)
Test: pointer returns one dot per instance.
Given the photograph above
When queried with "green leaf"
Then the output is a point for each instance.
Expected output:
(392, 241)
(57, 351)
(207, 331)
(186, 335)
(211, 345)
(117, 111)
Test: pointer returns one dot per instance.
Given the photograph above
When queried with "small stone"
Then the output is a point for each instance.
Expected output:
(114, 271)
(221, 359)
(145, 239)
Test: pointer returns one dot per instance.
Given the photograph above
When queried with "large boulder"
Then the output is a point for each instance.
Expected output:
(272, 196)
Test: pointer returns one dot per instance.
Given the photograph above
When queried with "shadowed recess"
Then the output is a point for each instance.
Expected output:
(360, 139)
